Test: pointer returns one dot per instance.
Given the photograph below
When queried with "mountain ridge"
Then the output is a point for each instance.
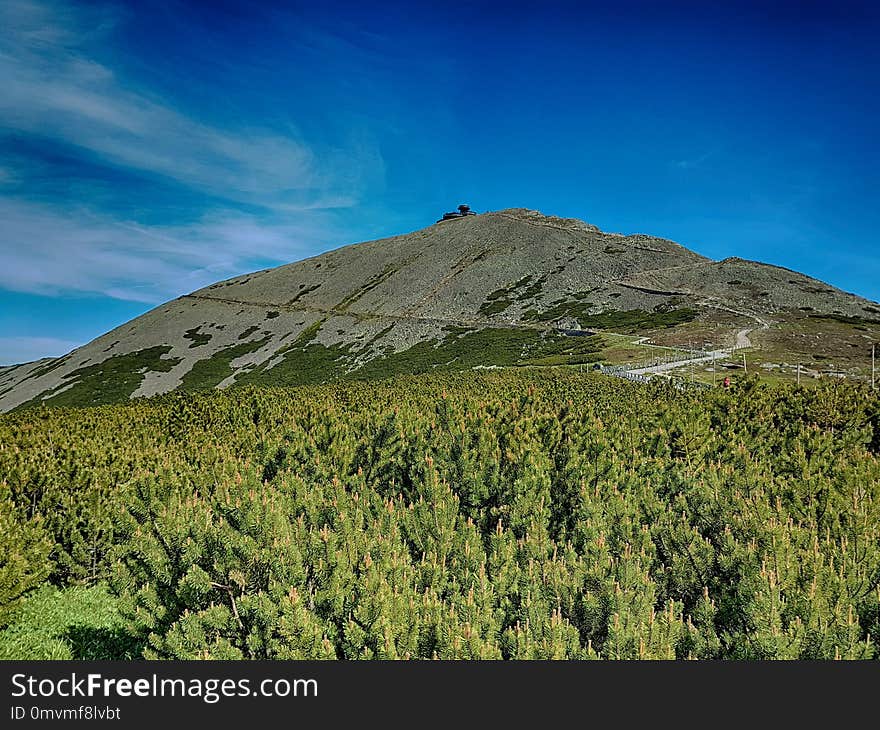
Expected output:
(520, 278)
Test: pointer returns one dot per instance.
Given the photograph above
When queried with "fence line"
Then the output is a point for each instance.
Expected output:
(620, 371)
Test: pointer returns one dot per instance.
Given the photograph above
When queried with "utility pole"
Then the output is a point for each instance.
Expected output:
(745, 364)
(873, 366)
(799, 373)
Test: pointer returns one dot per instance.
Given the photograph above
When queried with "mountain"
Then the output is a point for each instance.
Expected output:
(512, 287)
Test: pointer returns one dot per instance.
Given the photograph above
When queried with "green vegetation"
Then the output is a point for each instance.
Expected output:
(632, 320)
(496, 306)
(533, 289)
(25, 546)
(45, 369)
(845, 319)
(248, 332)
(500, 299)
(529, 513)
(110, 381)
(305, 362)
(73, 623)
(207, 373)
(571, 308)
(460, 349)
(198, 338)
(827, 342)
(522, 289)
(635, 320)
(625, 349)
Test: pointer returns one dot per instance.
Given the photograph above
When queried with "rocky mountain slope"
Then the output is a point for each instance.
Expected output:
(502, 288)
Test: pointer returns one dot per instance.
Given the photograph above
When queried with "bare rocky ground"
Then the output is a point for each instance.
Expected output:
(511, 269)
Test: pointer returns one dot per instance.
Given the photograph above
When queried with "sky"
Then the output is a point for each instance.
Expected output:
(148, 149)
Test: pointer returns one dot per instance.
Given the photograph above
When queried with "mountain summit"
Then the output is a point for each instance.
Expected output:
(501, 288)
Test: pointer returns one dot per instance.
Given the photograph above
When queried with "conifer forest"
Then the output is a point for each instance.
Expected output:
(509, 514)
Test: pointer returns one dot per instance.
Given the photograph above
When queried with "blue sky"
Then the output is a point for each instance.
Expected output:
(148, 149)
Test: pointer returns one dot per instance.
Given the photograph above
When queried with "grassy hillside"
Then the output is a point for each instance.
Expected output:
(529, 513)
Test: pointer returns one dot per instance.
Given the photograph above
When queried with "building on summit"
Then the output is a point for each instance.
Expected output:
(463, 210)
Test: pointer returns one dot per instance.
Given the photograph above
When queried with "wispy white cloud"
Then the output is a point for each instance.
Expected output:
(15, 350)
(51, 252)
(52, 87)
(692, 162)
